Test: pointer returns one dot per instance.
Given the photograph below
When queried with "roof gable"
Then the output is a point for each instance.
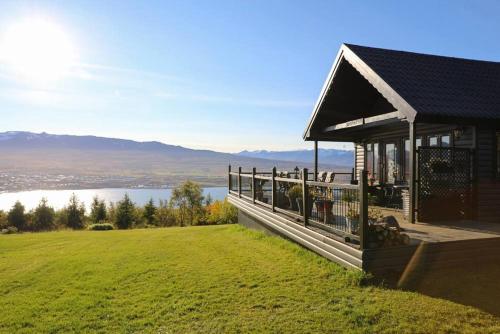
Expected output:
(420, 85)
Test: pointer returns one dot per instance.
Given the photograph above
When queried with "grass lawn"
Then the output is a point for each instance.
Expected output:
(202, 279)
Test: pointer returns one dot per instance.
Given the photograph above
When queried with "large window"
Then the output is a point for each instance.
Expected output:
(391, 163)
(407, 157)
(372, 161)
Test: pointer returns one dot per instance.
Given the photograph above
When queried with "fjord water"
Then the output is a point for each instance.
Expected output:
(59, 198)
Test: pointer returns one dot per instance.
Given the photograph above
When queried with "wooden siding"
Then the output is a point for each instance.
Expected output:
(488, 185)
(432, 255)
(359, 160)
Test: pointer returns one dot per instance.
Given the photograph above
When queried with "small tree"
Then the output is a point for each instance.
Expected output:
(17, 217)
(61, 218)
(149, 212)
(188, 198)
(208, 200)
(43, 217)
(98, 211)
(4, 222)
(164, 215)
(75, 213)
(124, 216)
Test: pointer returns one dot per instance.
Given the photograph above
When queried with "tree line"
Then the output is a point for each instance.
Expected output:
(187, 206)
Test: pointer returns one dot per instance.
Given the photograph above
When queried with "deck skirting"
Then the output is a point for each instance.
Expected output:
(424, 256)
(331, 249)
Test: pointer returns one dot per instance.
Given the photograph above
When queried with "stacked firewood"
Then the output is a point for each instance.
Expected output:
(386, 233)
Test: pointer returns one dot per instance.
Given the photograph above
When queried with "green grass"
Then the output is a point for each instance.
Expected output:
(201, 279)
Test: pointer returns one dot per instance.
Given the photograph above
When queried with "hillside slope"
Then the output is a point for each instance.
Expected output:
(211, 279)
(34, 161)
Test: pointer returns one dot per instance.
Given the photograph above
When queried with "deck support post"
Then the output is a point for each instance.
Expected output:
(363, 210)
(315, 160)
(413, 173)
(305, 196)
(273, 190)
(239, 182)
(254, 171)
(229, 185)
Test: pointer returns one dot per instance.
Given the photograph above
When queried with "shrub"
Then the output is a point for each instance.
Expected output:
(222, 212)
(9, 230)
(101, 227)
(165, 215)
(295, 192)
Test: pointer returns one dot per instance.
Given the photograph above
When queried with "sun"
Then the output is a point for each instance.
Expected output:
(37, 49)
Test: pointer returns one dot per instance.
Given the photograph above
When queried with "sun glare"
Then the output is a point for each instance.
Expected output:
(37, 50)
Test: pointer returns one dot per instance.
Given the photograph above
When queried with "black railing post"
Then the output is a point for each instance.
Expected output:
(229, 185)
(315, 178)
(239, 182)
(305, 196)
(254, 171)
(353, 176)
(273, 189)
(363, 210)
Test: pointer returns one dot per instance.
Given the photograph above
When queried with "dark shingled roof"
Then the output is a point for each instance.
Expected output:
(437, 85)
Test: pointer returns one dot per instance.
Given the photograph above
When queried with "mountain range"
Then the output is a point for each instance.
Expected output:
(47, 161)
(327, 156)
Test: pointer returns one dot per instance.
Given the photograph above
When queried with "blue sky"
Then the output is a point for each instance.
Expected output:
(222, 75)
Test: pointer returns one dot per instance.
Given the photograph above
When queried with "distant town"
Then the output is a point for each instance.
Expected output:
(13, 182)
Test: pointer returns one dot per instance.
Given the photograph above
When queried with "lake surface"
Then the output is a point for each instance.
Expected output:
(59, 198)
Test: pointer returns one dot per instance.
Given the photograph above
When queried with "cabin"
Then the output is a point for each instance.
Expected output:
(426, 133)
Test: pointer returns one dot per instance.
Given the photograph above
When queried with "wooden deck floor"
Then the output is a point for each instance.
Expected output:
(445, 231)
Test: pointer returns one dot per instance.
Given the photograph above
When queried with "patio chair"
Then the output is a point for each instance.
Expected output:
(330, 177)
(322, 176)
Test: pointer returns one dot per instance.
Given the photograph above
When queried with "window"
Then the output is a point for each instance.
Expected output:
(391, 163)
(440, 140)
(407, 157)
(369, 159)
(445, 141)
(376, 164)
(372, 161)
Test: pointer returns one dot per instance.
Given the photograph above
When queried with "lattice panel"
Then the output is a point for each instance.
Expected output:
(444, 187)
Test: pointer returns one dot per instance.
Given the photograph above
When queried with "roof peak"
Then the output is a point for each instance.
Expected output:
(353, 48)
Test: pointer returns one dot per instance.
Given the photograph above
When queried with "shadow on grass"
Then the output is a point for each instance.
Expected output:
(476, 285)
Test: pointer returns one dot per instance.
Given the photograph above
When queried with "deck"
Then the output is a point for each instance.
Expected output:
(431, 245)
(445, 231)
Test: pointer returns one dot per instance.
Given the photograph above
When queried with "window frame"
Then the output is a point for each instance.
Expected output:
(405, 165)
(374, 169)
